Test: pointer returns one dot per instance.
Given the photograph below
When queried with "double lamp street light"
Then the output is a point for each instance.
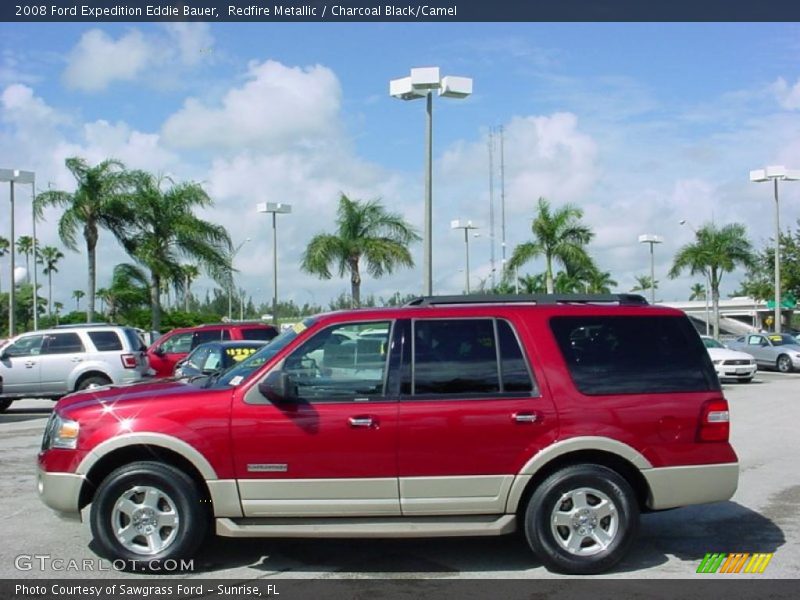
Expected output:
(421, 84)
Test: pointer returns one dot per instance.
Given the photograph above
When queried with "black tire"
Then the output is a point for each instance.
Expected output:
(175, 492)
(4, 404)
(784, 364)
(98, 380)
(548, 540)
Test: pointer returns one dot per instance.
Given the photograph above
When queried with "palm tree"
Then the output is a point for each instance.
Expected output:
(715, 251)
(558, 236)
(78, 294)
(102, 295)
(96, 202)
(25, 246)
(4, 248)
(643, 282)
(599, 282)
(164, 231)
(59, 306)
(365, 230)
(698, 292)
(130, 289)
(49, 257)
(190, 273)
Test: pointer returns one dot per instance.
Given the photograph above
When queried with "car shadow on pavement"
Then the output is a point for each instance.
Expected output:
(16, 415)
(687, 534)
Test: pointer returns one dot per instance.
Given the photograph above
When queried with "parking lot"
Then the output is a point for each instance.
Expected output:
(763, 516)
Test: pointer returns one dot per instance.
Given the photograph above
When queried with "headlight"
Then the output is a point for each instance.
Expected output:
(717, 362)
(61, 433)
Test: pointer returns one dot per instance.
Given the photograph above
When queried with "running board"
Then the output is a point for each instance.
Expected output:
(386, 527)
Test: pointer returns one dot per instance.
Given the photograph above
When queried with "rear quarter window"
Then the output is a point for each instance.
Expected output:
(105, 341)
(258, 333)
(633, 355)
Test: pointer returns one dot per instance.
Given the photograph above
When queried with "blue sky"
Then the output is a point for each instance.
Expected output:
(640, 125)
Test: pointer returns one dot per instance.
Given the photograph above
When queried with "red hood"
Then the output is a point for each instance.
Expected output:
(154, 390)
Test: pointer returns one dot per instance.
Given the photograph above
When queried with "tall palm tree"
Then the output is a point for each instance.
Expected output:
(59, 306)
(716, 250)
(49, 257)
(599, 282)
(698, 292)
(190, 273)
(5, 245)
(78, 294)
(96, 203)
(364, 230)
(559, 236)
(164, 232)
(25, 246)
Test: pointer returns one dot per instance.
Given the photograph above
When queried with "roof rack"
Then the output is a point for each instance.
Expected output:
(544, 299)
(77, 325)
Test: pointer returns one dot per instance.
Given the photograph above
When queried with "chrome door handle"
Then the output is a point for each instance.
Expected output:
(525, 417)
(361, 422)
(77, 359)
(30, 364)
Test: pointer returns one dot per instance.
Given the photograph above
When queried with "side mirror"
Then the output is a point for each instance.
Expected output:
(158, 351)
(5, 355)
(278, 387)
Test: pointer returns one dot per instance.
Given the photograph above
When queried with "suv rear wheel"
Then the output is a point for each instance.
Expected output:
(148, 511)
(581, 519)
(93, 380)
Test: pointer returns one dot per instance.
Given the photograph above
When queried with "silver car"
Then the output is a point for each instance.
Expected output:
(779, 351)
(54, 362)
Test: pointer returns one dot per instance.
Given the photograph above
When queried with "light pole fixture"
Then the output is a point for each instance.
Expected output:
(230, 283)
(275, 208)
(421, 84)
(707, 273)
(649, 238)
(14, 176)
(466, 226)
(776, 173)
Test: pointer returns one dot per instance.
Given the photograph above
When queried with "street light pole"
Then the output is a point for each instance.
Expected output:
(776, 173)
(35, 275)
(466, 226)
(275, 208)
(649, 238)
(421, 84)
(13, 176)
(230, 283)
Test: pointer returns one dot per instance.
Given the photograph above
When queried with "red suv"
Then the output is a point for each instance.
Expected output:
(178, 343)
(564, 417)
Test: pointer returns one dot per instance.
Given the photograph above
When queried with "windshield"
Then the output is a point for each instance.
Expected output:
(782, 339)
(712, 343)
(241, 371)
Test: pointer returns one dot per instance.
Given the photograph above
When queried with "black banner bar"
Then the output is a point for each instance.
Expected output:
(399, 11)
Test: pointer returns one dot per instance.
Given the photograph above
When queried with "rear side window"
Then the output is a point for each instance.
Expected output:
(207, 335)
(259, 333)
(62, 343)
(105, 341)
(634, 355)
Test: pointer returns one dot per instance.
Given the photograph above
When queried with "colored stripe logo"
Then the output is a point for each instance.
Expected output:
(737, 562)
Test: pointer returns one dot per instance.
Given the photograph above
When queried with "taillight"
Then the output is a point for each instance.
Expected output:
(715, 423)
(129, 361)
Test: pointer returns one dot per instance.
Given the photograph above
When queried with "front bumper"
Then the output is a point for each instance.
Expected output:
(671, 487)
(735, 371)
(61, 492)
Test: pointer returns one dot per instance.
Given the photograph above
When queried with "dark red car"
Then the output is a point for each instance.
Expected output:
(178, 343)
(454, 416)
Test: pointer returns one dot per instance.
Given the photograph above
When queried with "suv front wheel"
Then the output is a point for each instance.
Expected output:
(147, 511)
(581, 519)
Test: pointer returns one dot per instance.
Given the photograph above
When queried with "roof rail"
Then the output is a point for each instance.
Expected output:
(621, 299)
(77, 325)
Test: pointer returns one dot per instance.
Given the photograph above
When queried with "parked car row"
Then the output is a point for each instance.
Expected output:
(54, 362)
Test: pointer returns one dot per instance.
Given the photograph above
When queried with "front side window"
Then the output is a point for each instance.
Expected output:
(180, 343)
(30, 345)
(342, 362)
(633, 355)
(208, 335)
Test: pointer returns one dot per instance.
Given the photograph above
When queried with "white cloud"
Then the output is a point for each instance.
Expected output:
(98, 60)
(276, 107)
(788, 96)
(193, 40)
